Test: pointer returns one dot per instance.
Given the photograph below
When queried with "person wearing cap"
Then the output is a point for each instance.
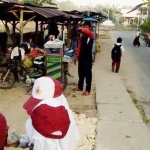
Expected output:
(51, 125)
(3, 131)
(84, 57)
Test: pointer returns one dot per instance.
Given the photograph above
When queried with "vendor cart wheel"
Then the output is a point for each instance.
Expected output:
(65, 82)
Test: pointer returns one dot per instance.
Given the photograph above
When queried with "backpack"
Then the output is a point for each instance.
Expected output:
(116, 52)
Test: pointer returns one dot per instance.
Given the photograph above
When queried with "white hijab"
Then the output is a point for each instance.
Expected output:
(42, 143)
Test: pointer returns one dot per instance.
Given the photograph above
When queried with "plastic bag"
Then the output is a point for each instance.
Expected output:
(97, 48)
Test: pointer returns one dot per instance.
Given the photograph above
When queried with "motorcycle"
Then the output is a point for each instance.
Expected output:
(16, 71)
(29, 70)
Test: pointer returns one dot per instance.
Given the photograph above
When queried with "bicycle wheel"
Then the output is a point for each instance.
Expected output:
(9, 79)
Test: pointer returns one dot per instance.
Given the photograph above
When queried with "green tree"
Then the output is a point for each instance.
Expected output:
(40, 2)
(66, 5)
(146, 26)
(108, 10)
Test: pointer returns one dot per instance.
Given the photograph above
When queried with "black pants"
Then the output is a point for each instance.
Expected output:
(85, 72)
(136, 41)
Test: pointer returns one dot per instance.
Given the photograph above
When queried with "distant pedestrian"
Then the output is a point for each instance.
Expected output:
(136, 40)
(116, 54)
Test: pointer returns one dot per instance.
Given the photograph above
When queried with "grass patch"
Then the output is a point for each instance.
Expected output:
(139, 107)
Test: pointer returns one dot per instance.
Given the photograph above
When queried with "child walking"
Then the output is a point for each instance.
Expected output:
(116, 54)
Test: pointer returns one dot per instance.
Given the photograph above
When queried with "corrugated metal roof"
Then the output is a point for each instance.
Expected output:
(96, 15)
(47, 13)
(39, 12)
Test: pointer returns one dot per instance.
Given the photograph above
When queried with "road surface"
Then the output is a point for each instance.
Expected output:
(135, 69)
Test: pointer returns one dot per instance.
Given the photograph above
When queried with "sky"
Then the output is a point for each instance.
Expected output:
(120, 3)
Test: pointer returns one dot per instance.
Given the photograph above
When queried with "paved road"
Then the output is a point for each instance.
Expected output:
(120, 125)
(135, 68)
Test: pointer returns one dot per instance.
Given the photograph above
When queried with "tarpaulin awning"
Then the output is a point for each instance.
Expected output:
(90, 19)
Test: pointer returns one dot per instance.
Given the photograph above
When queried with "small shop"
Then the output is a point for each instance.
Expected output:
(46, 20)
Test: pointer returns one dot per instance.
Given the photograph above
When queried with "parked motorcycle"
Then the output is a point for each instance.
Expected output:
(16, 71)
(29, 70)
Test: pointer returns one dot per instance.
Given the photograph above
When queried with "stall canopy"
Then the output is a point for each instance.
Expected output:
(95, 15)
(11, 12)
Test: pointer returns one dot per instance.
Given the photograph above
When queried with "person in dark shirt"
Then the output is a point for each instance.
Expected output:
(53, 29)
(84, 57)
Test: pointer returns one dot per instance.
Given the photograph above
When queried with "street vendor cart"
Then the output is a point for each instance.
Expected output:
(54, 56)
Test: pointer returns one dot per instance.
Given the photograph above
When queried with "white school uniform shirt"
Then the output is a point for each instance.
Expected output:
(137, 33)
(122, 48)
(15, 52)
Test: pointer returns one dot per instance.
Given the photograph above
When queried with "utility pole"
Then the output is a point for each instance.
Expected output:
(108, 17)
(138, 21)
(148, 9)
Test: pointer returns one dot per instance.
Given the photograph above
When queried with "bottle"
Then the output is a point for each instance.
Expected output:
(14, 138)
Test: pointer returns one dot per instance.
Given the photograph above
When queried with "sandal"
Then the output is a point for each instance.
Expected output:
(77, 89)
(86, 93)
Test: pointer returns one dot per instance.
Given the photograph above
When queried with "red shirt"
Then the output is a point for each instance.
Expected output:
(90, 34)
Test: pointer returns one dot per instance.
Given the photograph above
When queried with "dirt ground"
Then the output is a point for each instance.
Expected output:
(12, 100)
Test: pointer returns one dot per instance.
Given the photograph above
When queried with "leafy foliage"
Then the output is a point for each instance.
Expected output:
(146, 25)
(39, 2)
(112, 11)
(67, 5)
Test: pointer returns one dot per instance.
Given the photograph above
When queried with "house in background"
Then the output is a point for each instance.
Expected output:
(130, 18)
(144, 13)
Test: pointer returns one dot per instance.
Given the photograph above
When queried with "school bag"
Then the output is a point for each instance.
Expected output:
(116, 52)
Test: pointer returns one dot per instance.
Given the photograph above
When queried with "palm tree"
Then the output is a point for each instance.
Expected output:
(110, 11)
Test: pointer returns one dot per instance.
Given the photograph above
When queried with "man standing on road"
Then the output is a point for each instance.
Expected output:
(84, 57)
